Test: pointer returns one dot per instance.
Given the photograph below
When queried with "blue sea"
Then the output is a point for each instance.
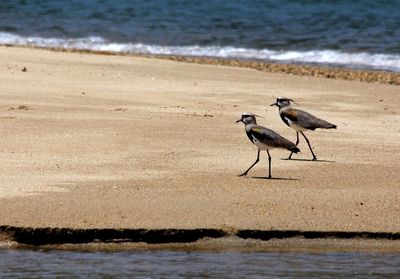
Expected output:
(362, 34)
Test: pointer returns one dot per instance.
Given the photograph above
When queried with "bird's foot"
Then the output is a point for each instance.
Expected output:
(243, 174)
(315, 158)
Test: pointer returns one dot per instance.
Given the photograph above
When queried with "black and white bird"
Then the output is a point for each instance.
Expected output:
(300, 121)
(264, 139)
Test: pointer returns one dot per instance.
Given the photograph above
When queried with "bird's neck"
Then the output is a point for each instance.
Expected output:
(249, 126)
(285, 108)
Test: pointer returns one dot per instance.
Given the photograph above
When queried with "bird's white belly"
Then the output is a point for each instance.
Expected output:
(262, 146)
(295, 126)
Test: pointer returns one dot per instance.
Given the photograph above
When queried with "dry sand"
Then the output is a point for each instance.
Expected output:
(96, 141)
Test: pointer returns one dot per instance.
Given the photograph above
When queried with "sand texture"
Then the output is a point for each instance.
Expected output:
(97, 141)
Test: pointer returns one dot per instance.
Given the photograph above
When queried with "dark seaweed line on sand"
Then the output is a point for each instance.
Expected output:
(45, 236)
(377, 76)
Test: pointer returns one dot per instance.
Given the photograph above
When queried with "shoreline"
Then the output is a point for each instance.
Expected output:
(150, 145)
(307, 70)
(197, 239)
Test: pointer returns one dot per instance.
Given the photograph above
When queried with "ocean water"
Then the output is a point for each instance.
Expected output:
(356, 34)
(190, 264)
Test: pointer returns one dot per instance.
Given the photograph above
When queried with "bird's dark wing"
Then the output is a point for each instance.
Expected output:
(311, 122)
(269, 137)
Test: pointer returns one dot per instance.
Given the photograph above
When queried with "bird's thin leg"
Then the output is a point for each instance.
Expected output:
(269, 165)
(258, 159)
(297, 142)
(308, 142)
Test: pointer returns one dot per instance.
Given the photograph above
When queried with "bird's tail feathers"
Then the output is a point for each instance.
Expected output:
(294, 149)
(333, 126)
(326, 125)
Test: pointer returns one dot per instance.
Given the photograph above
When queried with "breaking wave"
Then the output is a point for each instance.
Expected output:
(360, 60)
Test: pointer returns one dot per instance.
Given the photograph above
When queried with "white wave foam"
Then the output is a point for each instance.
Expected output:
(389, 62)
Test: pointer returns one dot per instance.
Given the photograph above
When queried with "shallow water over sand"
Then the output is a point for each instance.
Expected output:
(197, 264)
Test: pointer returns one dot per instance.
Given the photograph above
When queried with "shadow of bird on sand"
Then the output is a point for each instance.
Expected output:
(308, 160)
(275, 178)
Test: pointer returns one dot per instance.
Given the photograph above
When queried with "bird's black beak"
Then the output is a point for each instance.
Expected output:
(240, 120)
(274, 104)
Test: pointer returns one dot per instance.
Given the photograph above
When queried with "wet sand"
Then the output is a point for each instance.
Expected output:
(100, 141)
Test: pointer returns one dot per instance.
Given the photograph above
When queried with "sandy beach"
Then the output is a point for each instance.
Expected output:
(101, 141)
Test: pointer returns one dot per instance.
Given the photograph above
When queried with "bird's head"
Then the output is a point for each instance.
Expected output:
(282, 102)
(248, 118)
